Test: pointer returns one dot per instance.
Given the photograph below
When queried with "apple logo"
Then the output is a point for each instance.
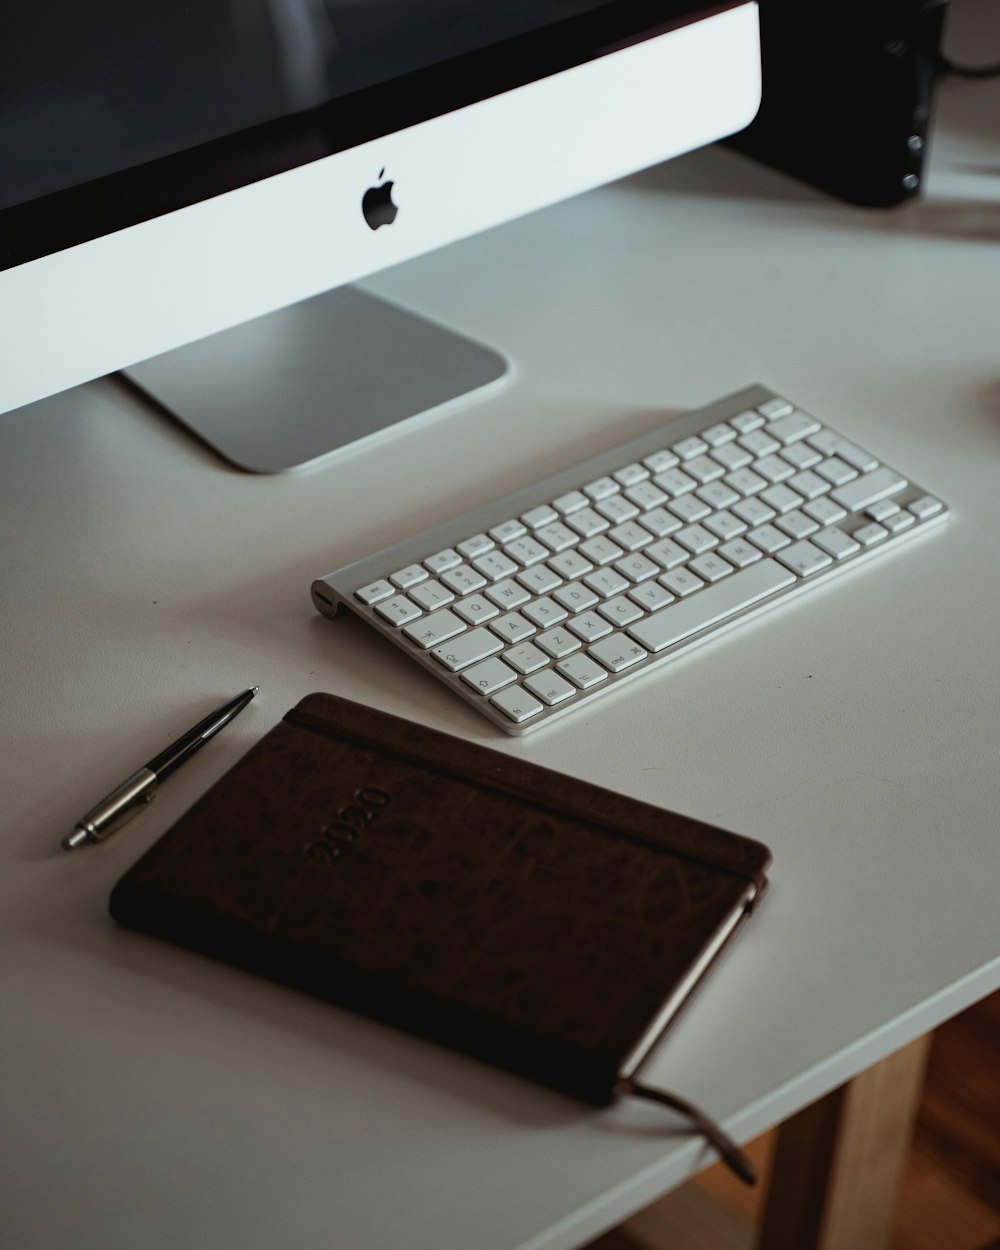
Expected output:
(377, 205)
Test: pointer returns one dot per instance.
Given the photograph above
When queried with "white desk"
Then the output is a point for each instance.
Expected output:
(153, 1098)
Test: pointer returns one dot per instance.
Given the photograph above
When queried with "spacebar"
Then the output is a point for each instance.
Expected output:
(708, 607)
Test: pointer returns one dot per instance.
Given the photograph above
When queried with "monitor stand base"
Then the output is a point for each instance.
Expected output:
(294, 385)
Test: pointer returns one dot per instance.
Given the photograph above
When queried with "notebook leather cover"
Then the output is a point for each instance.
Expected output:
(542, 923)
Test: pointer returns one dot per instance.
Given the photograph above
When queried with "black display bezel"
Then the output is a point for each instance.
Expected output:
(91, 210)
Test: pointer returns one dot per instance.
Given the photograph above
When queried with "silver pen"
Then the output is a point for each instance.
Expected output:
(136, 791)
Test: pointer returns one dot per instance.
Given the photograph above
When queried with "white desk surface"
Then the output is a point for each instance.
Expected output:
(150, 1097)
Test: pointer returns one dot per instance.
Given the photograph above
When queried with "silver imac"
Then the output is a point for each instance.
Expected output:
(187, 192)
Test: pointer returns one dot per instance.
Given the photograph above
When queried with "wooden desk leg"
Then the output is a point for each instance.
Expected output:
(837, 1163)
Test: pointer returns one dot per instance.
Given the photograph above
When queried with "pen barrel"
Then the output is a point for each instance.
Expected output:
(119, 806)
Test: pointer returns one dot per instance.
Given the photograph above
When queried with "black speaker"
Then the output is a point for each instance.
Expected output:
(847, 95)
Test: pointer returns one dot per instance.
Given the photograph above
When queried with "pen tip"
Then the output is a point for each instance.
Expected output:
(254, 689)
(73, 840)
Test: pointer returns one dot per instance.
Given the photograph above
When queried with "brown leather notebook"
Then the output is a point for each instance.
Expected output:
(542, 923)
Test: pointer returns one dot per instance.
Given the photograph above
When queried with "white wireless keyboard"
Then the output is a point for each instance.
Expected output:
(547, 598)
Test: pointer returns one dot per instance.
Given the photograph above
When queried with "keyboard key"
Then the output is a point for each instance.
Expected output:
(601, 488)
(725, 525)
(651, 596)
(526, 551)
(666, 554)
(689, 508)
(804, 558)
(507, 594)
(372, 593)
(796, 524)
(557, 643)
(507, 531)
(717, 435)
(768, 538)
(582, 671)
(462, 579)
(659, 522)
(774, 408)
(517, 704)
(617, 509)
(525, 658)
(588, 626)
(617, 653)
(660, 461)
(437, 627)
(587, 522)
(732, 456)
(836, 471)
(544, 612)
(646, 495)
(869, 535)
(398, 610)
(869, 489)
(791, 427)
(836, 543)
(576, 597)
(781, 498)
(568, 564)
(512, 627)
(753, 511)
(475, 608)
(539, 579)
(466, 649)
(601, 550)
(710, 568)
(405, 578)
(740, 553)
(477, 545)
(898, 522)
(443, 560)
(689, 448)
(535, 518)
(681, 582)
(926, 506)
(714, 604)
(572, 501)
(431, 595)
(620, 611)
(824, 510)
(550, 687)
(809, 484)
(675, 482)
(696, 539)
(744, 422)
(489, 676)
(606, 583)
(631, 474)
(636, 567)
(556, 536)
(495, 565)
